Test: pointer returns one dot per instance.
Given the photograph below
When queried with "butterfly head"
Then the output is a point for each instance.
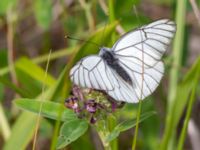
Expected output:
(103, 50)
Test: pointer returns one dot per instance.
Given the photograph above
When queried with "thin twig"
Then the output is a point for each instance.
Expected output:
(196, 11)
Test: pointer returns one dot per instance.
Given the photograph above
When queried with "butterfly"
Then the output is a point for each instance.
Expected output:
(130, 70)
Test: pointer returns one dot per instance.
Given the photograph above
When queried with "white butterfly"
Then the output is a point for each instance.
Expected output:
(118, 70)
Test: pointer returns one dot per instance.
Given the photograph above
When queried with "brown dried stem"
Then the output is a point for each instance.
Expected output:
(195, 9)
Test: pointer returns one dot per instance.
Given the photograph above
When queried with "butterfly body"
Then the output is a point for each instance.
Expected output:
(132, 69)
(109, 57)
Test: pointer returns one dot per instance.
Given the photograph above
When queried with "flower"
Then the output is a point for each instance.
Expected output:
(72, 103)
(78, 93)
(91, 106)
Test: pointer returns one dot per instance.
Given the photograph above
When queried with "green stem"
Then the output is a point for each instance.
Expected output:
(112, 122)
(111, 11)
(105, 145)
(103, 131)
(137, 125)
(4, 126)
(187, 118)
(64, 94)
(111, 15)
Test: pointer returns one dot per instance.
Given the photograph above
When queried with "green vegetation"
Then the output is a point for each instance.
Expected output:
(36, 57)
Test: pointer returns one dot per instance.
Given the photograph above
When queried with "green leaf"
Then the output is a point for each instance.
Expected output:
(189, 110)
(43, 12)
(25, 124)
(49, 109)
(5, 4)
(34, 71)
(3, 57)
(70, 131)
(127, 124)
(1, 92)
(6, 82)
(29, 78)
(183, 92)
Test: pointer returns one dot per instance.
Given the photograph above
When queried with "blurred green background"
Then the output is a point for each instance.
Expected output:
(29, 30)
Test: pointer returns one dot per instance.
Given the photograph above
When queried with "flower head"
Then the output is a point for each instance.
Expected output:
(91, 104)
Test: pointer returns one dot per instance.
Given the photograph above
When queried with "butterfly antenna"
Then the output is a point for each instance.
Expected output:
(86, 41)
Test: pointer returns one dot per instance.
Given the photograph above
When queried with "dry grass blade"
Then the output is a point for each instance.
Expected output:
(38, 117)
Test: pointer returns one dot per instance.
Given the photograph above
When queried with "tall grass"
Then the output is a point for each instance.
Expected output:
(174, 73)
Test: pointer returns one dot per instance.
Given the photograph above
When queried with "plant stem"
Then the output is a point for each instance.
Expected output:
(111, 15)
(188, 114)
(112, 122)
(87, 8)
(10, 36)
(111, 11)
(141, 95)
(137, 125)
(195, 9)
(4, 126)
(105, 145)
(103, 131)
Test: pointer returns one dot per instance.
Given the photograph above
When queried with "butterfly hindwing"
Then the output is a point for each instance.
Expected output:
(91, 72)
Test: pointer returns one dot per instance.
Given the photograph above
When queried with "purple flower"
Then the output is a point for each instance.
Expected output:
(91, 106)
(78, 93)
(72, 103)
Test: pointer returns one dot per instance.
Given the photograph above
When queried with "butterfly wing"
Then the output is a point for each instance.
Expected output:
(144, 46)
(91, 72)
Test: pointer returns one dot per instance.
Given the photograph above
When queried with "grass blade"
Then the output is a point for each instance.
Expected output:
(174, 73)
